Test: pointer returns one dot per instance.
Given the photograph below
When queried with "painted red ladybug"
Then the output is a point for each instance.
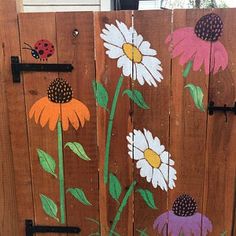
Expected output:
(42, 49)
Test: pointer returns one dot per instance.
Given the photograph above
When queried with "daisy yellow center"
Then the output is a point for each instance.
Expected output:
(132, 52)
(152, 158)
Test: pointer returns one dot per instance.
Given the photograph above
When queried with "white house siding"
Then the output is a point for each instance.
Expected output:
(65, 5)
(79, 5)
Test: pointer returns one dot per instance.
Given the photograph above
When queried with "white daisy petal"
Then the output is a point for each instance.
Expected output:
(149, 137)
(159, 149)
(139, 140)
(156, 63)
(130, 138)
(130, 154)
(146, 50)
(113, 35)
(148, 76)
(139, 68)
(125, 31)
(140, 163)
(114, 51)
(116, 33)
(164, 170)
(145, 170)
(149, 174)
(172, 173)
(138, 39)
(165, 158)
(134, 72)
(138, 154)
(127, 67)
(130, 146)
(161, 180)
(156, 75)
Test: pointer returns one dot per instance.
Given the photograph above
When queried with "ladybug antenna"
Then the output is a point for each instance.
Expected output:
(29, 47)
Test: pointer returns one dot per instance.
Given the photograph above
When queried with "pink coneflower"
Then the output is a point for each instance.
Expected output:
(200, 45)
(183, 219)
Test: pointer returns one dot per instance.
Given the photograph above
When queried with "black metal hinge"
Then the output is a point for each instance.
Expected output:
(31, 229)
(18, 67)
(212, 108)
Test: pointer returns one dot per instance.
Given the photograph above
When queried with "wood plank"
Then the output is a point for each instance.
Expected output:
(221, 163)
(108, 74)
(79, 173)
(187, 124)
(155, 119)
(34, 27)
(13, 133)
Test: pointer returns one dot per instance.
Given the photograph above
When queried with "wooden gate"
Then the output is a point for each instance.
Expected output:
(119, 179)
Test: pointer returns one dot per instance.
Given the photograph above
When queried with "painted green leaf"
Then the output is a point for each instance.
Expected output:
(136, 97)
(94, 234)
(114, 233)
(114, 187)
(142, 232)
(47, 162)
(197, 95)
(224, 233)
(100, 94)
(49, 206)
(79, 195)
(147, 197)
(78, 149)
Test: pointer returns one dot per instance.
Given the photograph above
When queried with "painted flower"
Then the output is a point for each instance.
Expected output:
(183, 219)
(195, 45)
(152, 159)
(134, 55)
(59, 104)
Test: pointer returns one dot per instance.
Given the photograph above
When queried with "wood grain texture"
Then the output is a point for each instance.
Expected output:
(221, 150)
(187, 124)
(155, 119)
(14, 169)
(108, 74)
(79, 51)
(34, 27)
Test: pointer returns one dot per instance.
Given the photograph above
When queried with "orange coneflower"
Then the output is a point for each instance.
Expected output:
(59, 105)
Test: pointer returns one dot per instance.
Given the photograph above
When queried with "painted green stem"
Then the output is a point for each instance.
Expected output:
(122, 206)
(187, 69)
(61, 173)
(110, 125)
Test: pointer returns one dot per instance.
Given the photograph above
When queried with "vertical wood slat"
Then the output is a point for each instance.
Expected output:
(155, 119)
(14, 110)
(10, 214)
(187, 124)
(79, 51)
(221, 150)
(108, 74)
(34, 27)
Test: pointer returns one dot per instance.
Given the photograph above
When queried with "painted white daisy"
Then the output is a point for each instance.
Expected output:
(129, 48)
(152, 159)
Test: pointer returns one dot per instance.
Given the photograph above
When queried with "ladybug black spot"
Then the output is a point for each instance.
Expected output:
(49, 55)
(45, 45)
(52, 46)
(41, 52)
(36, 48)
